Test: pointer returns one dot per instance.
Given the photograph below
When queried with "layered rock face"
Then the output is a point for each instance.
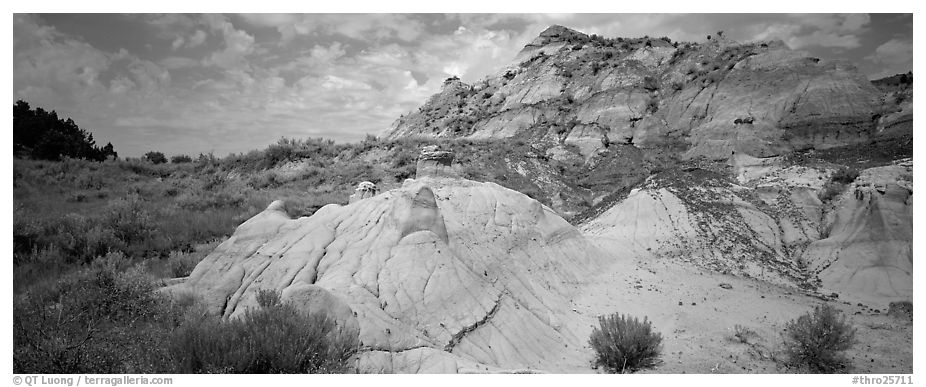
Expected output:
(713, 98)
(440, 275)
(771, 224)
(702, 218)
(868, 253)
(436, 162)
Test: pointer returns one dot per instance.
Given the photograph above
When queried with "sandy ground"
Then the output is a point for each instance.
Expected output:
(697, 316)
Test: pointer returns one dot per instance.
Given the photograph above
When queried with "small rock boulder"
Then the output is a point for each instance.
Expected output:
(434, 162)
(364, 190)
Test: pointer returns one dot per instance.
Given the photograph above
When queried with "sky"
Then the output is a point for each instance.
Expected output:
(228, 83)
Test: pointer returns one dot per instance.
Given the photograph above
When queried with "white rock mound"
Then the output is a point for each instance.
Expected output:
(440, 275)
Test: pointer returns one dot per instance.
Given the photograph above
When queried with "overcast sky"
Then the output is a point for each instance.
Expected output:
(185, 84)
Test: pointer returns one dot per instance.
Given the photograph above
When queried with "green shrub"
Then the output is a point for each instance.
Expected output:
(267, 298)
(42, 135)
(273, 338)
(180, 159)
(155, 157)
(80, 238)
(264, 180)
(900, 309)
(845, 175)
(623, 343)
(182, 264)
(830, 190)
(817, 339)
(102, 319)
(743, 334)
(27, 233)
(129, 219)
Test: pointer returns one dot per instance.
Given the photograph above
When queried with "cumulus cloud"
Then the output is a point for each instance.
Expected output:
(270, 19)
(170, 25)
(822, 30)
(378, 27)
(148, 75)
(198, 38)
(121, 85)
(894, 51)
(178, 62)
(47, 62)
(339, 76)
(893, 57)
(177, 43)
(238, 44)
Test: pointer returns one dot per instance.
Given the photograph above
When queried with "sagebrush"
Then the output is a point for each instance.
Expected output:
(744, 334)
(101, 319)
(108, 318)
(625, 344)
(273, 338)
(817, 339)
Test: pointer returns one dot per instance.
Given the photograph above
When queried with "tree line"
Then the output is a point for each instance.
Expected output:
(39, 134)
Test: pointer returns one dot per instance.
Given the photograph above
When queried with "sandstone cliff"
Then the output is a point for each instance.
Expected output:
(709, 99)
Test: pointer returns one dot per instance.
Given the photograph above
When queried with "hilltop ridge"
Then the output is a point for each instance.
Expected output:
(566, 88)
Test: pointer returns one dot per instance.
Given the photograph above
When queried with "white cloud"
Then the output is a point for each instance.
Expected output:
(238, 45)
(148, 75)
(823, 39)
(855, 22)
(378, 27)
(177, 43)
(270, 19)
(821, 30)
(121, 85)
(334, 75)
(894, 51)
(178, 62)
(333, 82)
(47, 60)
(328, 54)
(199, 37)
(893, 57)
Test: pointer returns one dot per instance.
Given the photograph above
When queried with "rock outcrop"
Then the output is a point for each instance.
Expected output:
(440, 275)
(712, 98)
(771, 224)
(365, 189)
(435, 162)
(867, 254)
(703, 218)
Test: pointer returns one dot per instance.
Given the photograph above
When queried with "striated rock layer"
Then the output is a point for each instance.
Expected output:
(703, 218)
(868, 253)
(772, 225)
(713, 98)
(440, 275)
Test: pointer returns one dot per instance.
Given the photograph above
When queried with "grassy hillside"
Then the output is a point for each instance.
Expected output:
(91, 235)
